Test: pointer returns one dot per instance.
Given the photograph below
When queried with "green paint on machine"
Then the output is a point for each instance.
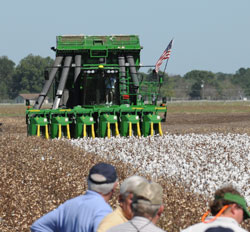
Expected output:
(98, 91)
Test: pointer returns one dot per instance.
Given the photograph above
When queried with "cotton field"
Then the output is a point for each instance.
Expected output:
(199, 152)
(202, 162)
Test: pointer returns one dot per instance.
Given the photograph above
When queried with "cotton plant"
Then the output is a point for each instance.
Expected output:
(202, 162)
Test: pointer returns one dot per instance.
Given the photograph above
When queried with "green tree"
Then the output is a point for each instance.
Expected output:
(7, 68)
(200, 76)
(29, 74)
(166, 88)
(242, 78)
(195, 92)
(200, 80)
(181, 86)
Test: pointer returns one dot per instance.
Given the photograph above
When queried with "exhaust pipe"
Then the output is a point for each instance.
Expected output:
(48, 83)
(62, 82)
(121, 60)
(133, 71)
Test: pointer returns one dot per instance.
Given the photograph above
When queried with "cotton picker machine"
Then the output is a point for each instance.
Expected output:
(97, 91)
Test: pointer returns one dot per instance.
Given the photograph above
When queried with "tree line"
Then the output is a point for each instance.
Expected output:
(28, 77)
(200, 84)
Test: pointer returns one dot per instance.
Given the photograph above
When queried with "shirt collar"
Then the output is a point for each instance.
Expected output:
(120, 212)
(90, 192)
(224, 219)
(139, 218)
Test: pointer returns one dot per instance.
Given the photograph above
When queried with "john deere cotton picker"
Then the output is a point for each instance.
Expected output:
(98, 91)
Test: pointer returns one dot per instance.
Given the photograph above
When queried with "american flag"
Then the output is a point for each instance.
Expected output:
(165, 55)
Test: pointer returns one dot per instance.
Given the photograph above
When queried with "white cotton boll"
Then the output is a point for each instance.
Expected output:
(205, 162)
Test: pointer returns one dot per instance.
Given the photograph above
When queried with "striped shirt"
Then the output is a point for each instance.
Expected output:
(220, 224)
(137, 224)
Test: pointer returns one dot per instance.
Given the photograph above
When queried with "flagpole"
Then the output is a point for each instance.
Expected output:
(168, 58)
(162, 77)
(165, 67)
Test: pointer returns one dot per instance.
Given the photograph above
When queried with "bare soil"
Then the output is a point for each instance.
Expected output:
(37, 175)
(208, 123)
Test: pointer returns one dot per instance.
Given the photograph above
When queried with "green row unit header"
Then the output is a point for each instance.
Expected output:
(82, 42)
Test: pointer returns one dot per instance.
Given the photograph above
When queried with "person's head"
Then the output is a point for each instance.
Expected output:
(102, 179)
(126, 193)
(147, 201)
(235, 203)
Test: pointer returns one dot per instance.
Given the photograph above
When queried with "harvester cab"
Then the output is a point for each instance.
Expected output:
(97, 91)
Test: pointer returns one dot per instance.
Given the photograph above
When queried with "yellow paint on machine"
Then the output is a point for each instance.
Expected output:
(65, 110)
(34, 110)
(160, 108)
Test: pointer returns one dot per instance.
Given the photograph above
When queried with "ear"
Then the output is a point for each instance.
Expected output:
(158, 214)
(115, 185)
(160, 211)
(120, 199)
(234, 209)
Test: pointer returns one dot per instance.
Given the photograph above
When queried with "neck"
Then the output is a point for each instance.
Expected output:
(155, 219)
(152, 219)
(231, 216)
(106, 197)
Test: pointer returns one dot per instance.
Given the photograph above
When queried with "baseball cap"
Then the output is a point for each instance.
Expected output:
(239, 200)
(219, 229)
(102, 173)
(149, 191)
(130, 183)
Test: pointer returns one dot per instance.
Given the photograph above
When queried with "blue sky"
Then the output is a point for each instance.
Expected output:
(208, 35)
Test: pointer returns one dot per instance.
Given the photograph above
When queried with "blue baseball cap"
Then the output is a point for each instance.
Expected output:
(102, 173)
(219, 229)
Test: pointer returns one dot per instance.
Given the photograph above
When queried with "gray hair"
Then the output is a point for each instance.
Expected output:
(129, 185)
(101, 188)
(144, 208)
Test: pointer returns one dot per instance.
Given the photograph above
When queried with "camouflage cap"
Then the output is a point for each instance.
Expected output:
(149, 191)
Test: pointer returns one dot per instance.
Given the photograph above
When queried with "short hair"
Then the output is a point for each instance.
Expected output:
(144, 208)
(129, 185)
(218, 203)
(101, 188)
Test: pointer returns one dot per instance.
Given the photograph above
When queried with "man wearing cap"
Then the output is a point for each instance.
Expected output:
(123, 212)
(85, 212)
(228, 210)
(147, 207)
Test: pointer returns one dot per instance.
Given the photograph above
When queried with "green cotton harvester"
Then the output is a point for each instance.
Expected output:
(98, 91)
